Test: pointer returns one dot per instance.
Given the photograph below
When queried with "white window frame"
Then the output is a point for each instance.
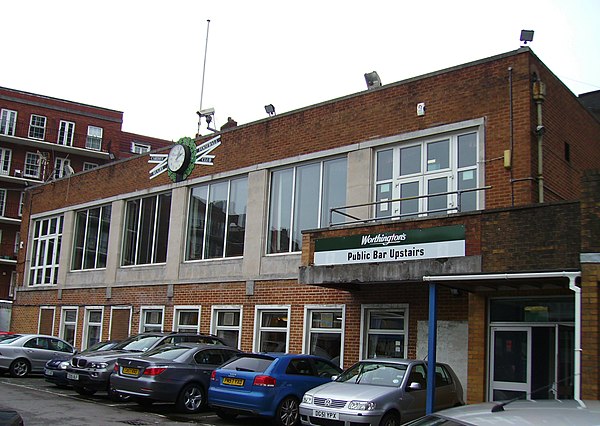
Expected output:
(364, 327)
(68, 133)
(3, 195)
(89, 166)
(114, 308)
(87, 324)
(32, 166)
(21, 203)
(140, 148)
(49, 308)
(60, 167)
(261, 309)
(146, 309)
(308, 329)
(97, 240)
(35, 127)
(94, 138)
(178, 309)
(214, 317)
(12, 285)
(64, 323)
(5, 161)
(39, 250)
(8, 122)
(17, 245)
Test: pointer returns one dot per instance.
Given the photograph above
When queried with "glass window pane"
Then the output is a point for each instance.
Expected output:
(467, 150)
(410, 160)
(331, 319)
(468, 200)
(162, 228)
(386, 320)
(383, 193)
(274, 319)
(334, 189)
(409, 207)
(385, 161)
(438, 155)
(146, 234)
(215, 222)
(385, 346)
(280, 214)
(228, 318)
(306, 203)
(326, 345)
(188, 317)
(437, 186)
(236, 217)
(272, 341)
(196, 221)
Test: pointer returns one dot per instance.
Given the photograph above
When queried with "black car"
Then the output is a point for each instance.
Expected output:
(171, 373)
(88, 374)
(56, 369)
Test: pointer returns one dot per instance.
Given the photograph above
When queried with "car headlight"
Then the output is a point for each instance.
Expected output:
(63, 365)
(307, 399)
(98, 365)
(361, 405)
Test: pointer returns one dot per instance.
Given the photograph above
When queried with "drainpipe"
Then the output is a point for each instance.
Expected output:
(539, 94)
(577, 361)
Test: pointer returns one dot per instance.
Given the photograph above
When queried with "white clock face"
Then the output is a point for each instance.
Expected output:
(176, 159)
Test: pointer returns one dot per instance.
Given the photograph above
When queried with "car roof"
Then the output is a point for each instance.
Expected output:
(555, 412)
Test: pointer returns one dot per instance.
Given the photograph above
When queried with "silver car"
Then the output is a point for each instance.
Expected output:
(21, 354)
(379, 392)
(546, 412)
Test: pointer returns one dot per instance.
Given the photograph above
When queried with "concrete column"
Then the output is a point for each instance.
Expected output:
(257, 210)
(177, 228)
(117, 216)
(360, 182)
(66, 249)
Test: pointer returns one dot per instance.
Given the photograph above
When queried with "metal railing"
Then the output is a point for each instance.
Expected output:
(350, 218)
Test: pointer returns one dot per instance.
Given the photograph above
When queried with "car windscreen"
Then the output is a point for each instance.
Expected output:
(166, 352)
(374, 373)
(251, 364)
(138, 343)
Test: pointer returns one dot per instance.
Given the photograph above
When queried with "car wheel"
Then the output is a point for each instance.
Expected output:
(84, 391)
(225, 414)
(390, 419)
(191, 398)
(19, 368)
(288, 412)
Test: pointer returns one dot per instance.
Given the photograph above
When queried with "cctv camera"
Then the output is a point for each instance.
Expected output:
(207, 111)
(540, 130)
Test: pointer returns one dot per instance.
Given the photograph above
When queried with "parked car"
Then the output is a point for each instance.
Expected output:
(383, 392)
(55, 370)
(10, 417)
(269, 385)
(91, 373)
(171, 373)
(540, 412)
(21, 354)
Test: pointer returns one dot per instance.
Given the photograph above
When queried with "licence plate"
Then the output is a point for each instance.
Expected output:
(131, 371)
(326, 414)
(233, 381)
(49, 372)
(72, 376)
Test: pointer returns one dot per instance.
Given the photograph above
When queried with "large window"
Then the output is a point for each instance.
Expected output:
(227, 324)
(90, 248)
(146, 230)
(66, 132)
(92, 326)
(301, 198)
(385, 331)
(272, 329)
(217, 220)
(186, 319)
(324, 332)
(140, 148)
(32, 165)
(68, 324)
(62, 167)
(8, 122)
(94, 138)
(37, 127)
(5, 156)
(416, 171)
(47, 235)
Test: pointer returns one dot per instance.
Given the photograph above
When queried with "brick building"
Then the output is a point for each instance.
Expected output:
(462, 205)
(42, 139)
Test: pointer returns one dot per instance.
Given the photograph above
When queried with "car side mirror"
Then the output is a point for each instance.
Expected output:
(414, 386)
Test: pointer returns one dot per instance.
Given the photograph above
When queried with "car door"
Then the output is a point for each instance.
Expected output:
(38, 351)
(415, 400)
(445, 389)
(207, 360)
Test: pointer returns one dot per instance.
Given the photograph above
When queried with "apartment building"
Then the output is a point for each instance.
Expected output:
(452, 215)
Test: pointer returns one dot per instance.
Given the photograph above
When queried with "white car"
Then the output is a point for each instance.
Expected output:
(379, 392)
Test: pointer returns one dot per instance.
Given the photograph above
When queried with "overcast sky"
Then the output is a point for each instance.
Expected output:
(145, 57)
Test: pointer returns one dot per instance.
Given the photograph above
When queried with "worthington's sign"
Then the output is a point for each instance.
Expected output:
(415, 244)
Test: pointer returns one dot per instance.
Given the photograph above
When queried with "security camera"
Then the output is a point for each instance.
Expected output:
(540, 130)
(205, 112)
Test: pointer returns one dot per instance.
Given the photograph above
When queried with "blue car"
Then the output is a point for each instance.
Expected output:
(267, 385)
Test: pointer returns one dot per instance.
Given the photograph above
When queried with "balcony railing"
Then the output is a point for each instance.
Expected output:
(365, 213)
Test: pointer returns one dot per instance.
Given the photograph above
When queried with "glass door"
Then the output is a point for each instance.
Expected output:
(510, 363)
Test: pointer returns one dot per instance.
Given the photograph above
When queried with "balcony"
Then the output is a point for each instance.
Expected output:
(78, 146)
(9, 213)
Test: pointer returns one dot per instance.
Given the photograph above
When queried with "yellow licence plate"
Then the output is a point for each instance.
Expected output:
(131, 371)
(233, 381)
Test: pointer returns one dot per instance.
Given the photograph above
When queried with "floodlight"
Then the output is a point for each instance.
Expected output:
(526, 35)
(372, 79)
(270, 109)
